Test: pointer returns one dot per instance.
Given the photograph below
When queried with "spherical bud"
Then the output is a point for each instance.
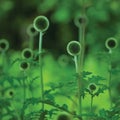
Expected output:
(74, 48)
(4, 45)
(31, 31)
(41, 23)
(27, 53)
(24, 65)
(79, 20)
(111, 43)
(92, 87)
(63, 117)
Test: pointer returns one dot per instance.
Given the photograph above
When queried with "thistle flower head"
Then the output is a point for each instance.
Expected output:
(111, 43)
(92, 87)
(41, 23)
(63, 117)
(24, 65)
(74, 48)
(27, 53)
(79, 20)
(31, 31)
(4, 45)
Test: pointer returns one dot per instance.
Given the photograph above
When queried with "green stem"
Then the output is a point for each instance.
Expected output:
(91, 104)
(110, 78)
(41, 69)
(24, 89)
(79, 85)
(31, 43)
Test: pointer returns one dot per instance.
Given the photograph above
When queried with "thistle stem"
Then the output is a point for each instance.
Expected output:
(31, 43)
(110, 78)
(41, 69)
(91, 104)
(79, 84)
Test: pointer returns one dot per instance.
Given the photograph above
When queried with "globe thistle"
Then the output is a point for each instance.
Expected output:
(31, 31)
(111, 43)
(74, 48)
(41, 23)
(24, 65)
(27, 53)
(4, 45)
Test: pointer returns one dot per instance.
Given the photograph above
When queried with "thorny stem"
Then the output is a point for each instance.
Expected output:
(40, 67)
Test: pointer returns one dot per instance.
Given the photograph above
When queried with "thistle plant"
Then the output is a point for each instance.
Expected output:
(111, 44)
(41, 24)
(74, 49)
(91, 88)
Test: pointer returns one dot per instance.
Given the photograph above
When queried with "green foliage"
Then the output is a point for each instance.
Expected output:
(47, 84)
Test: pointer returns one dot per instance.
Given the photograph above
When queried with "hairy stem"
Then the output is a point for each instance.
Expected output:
(41, 69)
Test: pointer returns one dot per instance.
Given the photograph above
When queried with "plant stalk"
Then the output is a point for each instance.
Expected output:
(110, 78)
(41, 69)
(79, 85)
(91, 104)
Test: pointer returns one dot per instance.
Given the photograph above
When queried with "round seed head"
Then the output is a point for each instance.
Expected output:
(4, 45)
(92, 87)
(41, 23)
(111, 43)
(74, 48)
(24, 65)
(27, 53)
(79, 20)
(31, 31)
(63, 117)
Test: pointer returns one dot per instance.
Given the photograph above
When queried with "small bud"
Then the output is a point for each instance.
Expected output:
(31, 31)
(74, 48)
(41, 23)
(4, 45)
(111, 43)
(27, 53)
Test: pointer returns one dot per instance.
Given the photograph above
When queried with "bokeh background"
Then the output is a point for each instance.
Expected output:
(103, 22)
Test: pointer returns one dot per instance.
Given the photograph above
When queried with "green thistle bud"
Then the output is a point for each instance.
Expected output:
(79, 20)
(4, 45)
(24, 65)
(27, 53)
(63, 117)
(74, 48)
(111, 43)
(41, 23)
(92, 87)
(31, 31)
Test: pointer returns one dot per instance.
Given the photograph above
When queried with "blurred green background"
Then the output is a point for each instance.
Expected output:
(103, 22)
